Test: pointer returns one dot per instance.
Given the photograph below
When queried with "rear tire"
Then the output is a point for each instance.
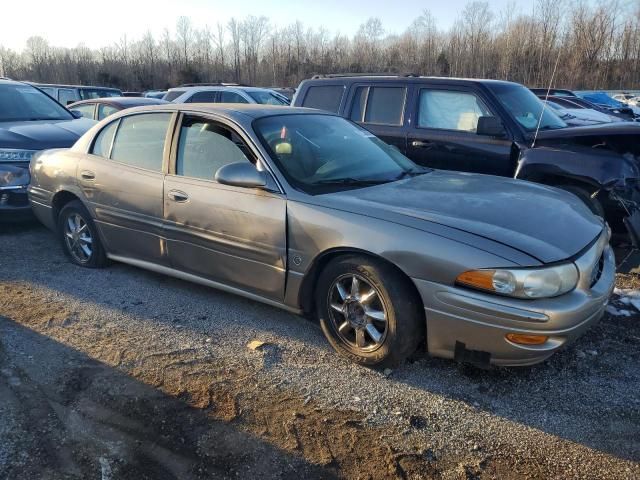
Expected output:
(79, 236)
(379, 321)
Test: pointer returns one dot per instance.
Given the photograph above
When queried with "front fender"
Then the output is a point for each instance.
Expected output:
(599, 168)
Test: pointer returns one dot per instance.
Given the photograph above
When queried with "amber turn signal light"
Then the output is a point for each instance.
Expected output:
(524, 339)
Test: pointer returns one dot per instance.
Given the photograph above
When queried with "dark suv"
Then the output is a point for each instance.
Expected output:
(492, 127)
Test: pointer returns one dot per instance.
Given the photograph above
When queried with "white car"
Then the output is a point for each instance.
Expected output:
(628, 98)
(222, 93)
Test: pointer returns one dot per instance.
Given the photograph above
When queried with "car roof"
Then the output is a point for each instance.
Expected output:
(125, 102)
(238, 111)
(204, 88)
(391, 78)
(59, 85)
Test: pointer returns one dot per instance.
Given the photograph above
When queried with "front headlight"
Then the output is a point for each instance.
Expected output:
(14, 155)
(523, 282)
(12, 176)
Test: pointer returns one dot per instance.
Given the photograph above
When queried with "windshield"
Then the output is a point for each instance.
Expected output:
(323, 153)
(526, 108)
(20, 102)
(266, 97)
(602, 99)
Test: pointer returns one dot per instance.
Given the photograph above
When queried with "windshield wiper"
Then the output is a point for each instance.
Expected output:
(350, 181)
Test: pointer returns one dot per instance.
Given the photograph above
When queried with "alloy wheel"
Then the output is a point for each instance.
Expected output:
(357, 312)
(78, 238)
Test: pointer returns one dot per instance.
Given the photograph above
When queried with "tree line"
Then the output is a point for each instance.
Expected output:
(582, 44)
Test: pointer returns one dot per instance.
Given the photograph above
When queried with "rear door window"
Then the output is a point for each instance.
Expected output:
(203, 97)
(140, 140)
(172, 95)
(450, 110)
(232, 97)
(324, 97)
(379, 105)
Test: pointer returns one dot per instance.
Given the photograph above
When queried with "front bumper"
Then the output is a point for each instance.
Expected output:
(14, 204)
(478, 321)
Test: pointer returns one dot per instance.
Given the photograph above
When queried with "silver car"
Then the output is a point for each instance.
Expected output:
(309, 212)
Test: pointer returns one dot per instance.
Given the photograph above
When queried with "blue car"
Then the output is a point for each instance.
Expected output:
(30, 121)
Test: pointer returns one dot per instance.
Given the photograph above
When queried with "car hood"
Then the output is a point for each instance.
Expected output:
(619, 128)
(545, 223)
(43, 134)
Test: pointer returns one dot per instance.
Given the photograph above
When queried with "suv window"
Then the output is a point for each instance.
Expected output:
(102, 143)
(172, 95)
(204, 146)
(140, 140)
(231, 97)
(324, 97)
(203, 97)
(449, 110)
(66, 96)
(379, 105)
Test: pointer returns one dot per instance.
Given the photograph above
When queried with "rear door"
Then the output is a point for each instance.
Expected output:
(380, 108)
(231, 235)
(123, 181)
(443, 134)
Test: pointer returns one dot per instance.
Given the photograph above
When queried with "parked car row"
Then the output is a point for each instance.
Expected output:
(355, 220)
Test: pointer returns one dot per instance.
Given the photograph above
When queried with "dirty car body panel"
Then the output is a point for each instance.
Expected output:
(270, 243)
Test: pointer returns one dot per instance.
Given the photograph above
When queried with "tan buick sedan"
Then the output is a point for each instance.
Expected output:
(309, 212)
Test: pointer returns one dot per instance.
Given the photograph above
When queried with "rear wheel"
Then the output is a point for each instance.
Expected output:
(79, 236)
(368, 311)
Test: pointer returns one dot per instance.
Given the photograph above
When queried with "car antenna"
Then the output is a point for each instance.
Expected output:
(546, 97)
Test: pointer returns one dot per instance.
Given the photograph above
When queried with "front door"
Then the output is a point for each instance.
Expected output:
(122, 180)
(444, 134)
(231, 235)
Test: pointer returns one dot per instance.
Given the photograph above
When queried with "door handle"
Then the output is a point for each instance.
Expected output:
(178, 196)
(421, 144)
(87, 175)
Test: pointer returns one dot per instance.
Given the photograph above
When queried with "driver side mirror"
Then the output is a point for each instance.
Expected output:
(76, 113)
(241, 174)
(491, 127)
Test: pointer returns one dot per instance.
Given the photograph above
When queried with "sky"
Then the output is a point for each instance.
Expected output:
(98, 23)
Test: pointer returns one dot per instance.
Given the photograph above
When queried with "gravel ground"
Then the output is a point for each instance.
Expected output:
(92, 337)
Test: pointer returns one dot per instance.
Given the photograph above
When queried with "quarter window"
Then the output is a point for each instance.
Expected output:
(326, 97)
(86, 110)
(140, 139)
(448, 110)
(102, 144)
(205, 146)
(379, 105)
(66, 96)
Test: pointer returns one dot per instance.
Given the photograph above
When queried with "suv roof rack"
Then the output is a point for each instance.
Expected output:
(213, 84)
(340, 75)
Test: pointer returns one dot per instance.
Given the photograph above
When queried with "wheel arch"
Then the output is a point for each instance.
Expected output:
(305, 294)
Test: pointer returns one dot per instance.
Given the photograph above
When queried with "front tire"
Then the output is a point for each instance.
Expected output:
(79, 236)
(369, 311)
(592, 203)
